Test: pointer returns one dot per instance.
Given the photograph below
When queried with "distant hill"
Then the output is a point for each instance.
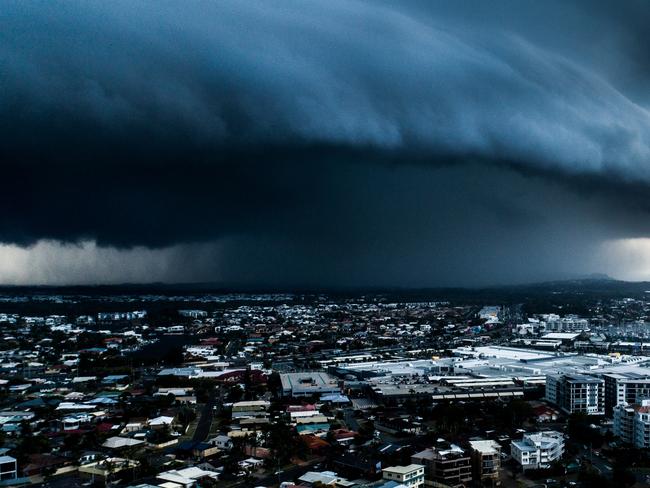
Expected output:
(594, 285)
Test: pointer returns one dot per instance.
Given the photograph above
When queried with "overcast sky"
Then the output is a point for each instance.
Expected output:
(338, 143)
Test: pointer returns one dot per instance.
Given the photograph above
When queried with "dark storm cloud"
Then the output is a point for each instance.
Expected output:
(312, 138)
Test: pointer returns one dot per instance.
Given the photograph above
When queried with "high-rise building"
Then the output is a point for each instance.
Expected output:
(576, 393)
(632, 423)
(626, 387)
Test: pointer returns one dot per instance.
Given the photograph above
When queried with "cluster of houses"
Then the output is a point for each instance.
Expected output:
(308, 392)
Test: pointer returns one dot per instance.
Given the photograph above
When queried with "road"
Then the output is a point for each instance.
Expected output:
(203, 427)
(601, 464)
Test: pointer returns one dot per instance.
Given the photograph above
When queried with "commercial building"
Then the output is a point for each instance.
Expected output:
(486, 461)
(411, 475)
(576, 393)
(538, 450)
(308, 384)
(446, 464)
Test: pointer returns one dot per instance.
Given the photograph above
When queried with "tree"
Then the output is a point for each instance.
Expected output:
(186, 415)
(283, 442)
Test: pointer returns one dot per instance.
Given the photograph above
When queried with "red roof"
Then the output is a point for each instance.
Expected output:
(314, 442)
(104, 427)
(256, 376)
(301, 408)
(343, 434)
(543, 410)
(258, 452)
(211, 341)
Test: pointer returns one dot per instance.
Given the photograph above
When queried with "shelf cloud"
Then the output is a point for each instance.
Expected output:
(342, 142)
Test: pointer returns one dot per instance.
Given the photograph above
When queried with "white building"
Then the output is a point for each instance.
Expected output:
(411, 475)
(642, 426)
(624, 422)
(538, 450)
(569, 323)
(187, 477)
(632, 423)
(8, 468)
(308, 384)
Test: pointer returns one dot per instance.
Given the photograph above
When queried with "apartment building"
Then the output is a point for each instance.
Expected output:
(642, 426)
(632, 423)
(626, 387)
(446, 464)
(486, 461)
(538, 450)
(8, 468)
(569, 323)
(576, 393)
(411, 476)
(624, 422)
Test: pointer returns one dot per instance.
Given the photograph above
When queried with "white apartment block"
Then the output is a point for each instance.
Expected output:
(632, 423)
(8, 468)
(411, 475)
(569, 323)
(538, 449)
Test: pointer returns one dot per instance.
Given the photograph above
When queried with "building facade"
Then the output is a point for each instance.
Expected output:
(8, 468)
(576, 393)
(486, 461)
(538, 450)
(632, 423)
(626, 387)
(446, 464)
(411, 475)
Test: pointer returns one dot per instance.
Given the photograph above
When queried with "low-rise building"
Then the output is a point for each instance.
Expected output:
(411, 475)
(538, 450)
(446, 464)
(8, 468)
(486, 461)
(308, 384)
(256, 408)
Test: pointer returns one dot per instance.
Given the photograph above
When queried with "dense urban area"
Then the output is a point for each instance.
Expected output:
(515, 388)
